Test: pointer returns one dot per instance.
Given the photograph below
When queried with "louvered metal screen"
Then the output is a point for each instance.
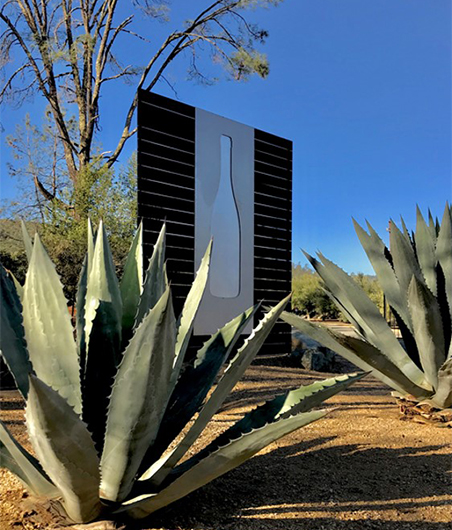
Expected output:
(166, 192)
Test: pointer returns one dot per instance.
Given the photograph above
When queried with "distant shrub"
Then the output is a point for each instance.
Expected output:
(311, 300)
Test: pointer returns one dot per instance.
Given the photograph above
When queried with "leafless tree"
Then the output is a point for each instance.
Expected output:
(66, 50)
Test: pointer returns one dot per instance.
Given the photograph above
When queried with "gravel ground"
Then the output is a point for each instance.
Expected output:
(359, 468)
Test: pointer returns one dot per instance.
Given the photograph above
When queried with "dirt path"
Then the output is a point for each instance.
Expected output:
(359, 468)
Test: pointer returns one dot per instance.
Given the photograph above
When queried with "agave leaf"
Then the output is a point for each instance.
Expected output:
(425, 251)
(404, 259)
(48, 329)
(444, 253)
(372, 324)
(103, 286)
(376, 252)
(139, 397)
(131, 284)
(27, 240)
(25, 466)
(99, 372)
(187, 318)
(307, 397)
(360, 353)
(432, 226)
(443, 396)
(428, 329)
(12, 336)
(17, 285)
(283, 406)
(80, 301)
(218, 462)
(156, 282)
(65, 449)
(290, 403)
(189, 394)
(406, 232)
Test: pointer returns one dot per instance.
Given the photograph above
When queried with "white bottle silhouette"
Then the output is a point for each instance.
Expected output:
(225, 230)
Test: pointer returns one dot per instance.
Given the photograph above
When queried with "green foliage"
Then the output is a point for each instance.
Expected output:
(102, 411)
(101, 195)
(416, 276)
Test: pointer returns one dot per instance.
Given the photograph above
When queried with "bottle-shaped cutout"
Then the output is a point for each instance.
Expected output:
(225, 230)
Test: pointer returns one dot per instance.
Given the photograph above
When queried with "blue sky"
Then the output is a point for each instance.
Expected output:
(362, 87)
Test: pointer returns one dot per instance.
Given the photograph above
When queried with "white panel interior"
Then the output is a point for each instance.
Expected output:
(224, 210)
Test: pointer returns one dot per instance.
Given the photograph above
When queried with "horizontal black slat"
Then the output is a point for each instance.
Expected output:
(154, 149)
(261, 240)
(271, 172)
(274, 258)
(279, 162)
(272, 283)
(187, 254)
(180, 265)
(274, 189)
(166, 188)
(162, 175)
(172, 227)
(273, 253)
(273, 140)
(273, 199)
(266, 220)
(269, 273)
(170, 214)
(163, 120)
(280, 156)
(263, 226)
(165, 164)
(265, 209)
(163, 201)
(149, 135)
(166, 103)
(172, 240)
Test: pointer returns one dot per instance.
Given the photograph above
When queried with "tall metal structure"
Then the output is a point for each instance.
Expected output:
(209, 176)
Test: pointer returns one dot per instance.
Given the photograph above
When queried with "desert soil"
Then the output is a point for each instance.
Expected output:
(359, 468)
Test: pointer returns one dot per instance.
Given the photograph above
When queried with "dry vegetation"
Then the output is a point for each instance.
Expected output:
(359, 468)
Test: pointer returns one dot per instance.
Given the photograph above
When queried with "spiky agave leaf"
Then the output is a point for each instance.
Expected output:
(418, 274)
(48, 328)
(139, 397)
(367, 318)
(131, 284)
(255, 430)
(156, 282)
(17, 285)
(216, 463)
(65, 449)
(186, 319)
(25, 466)
(103, 286)
(425, 251)
(100, 369)
(428, 329)
(403, 258)
(80, 301)
(444, 255)
(360, 353)
(13, 347)
(378, 256)
(189, 395)
(443, 395)
(28, 243)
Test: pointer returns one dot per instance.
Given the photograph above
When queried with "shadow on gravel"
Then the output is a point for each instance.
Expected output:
(349, 481)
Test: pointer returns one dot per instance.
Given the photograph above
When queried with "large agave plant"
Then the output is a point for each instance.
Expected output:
(416, 277)
(103, 409)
